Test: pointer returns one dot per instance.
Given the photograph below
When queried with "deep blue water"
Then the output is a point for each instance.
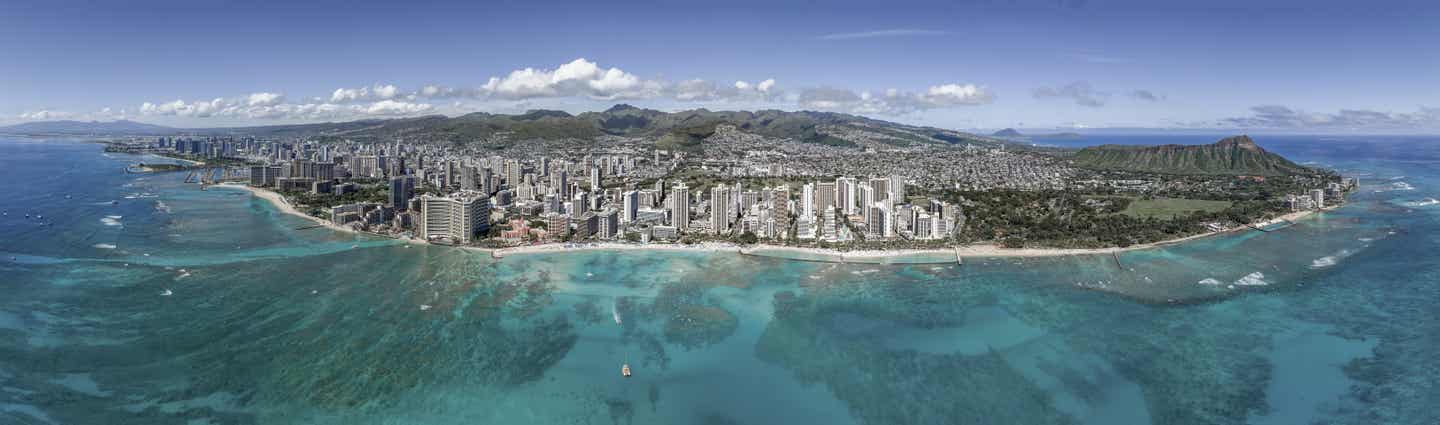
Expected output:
(1333, 320)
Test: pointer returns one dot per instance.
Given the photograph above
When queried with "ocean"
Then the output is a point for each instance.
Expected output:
(138, 299)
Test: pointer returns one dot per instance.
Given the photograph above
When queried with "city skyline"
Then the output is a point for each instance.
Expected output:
(1288, 66)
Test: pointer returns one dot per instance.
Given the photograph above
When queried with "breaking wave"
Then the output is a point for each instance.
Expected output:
(1211, 282)
(1252, 279)
(1421, 203)
(104, 246)
(111, 220)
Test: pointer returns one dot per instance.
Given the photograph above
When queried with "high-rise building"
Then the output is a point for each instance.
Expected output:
(897, 190)
(607, 223)
(880, 188)
(845, 194)
(1318, 196)
(720, 214)
(629, 204)
(401, 189)
(807, 200)
(680, 207)
(824, 196)
(461, 216)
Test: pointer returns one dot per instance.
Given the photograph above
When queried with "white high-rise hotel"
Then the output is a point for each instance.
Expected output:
(461, 216)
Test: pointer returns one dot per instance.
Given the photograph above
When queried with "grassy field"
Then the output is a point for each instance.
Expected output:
(1166, 208)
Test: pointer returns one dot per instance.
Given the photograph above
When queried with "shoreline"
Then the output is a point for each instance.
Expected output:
(759, 250)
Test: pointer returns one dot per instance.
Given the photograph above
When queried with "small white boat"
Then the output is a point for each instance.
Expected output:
(166, 293)
(625, 370)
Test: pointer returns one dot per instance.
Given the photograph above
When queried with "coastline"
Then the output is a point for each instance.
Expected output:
(278, 200)
(819, 254)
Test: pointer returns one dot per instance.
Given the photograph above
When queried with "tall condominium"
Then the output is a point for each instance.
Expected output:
(845, 194)
(880, 188)
(629, 205)
(807, 200)
(897, 190)
(720, 209)
(680, 207)
(462, 216)
(824, 196)
(401, 190)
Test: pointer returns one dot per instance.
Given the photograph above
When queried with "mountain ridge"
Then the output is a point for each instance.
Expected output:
(1235, 155)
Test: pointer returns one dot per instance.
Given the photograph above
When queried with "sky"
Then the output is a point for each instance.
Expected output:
(1313, 66)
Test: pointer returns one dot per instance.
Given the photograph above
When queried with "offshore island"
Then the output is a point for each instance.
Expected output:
(803, 185)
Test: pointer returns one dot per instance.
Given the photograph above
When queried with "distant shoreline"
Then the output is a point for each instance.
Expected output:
(760, 250)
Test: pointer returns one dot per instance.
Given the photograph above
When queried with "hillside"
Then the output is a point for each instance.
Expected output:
(1008, 133)
(86, 128)
(1230, 156)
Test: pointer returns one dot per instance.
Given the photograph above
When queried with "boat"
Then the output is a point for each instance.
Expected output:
(166, 293)
(625, 370)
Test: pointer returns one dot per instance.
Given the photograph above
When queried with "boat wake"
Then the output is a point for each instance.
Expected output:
(615, 311)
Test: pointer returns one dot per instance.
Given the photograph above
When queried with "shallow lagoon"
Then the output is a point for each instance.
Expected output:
(1332, 319)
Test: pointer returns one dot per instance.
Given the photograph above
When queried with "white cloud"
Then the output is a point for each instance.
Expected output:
(578, 78)
(375, 92)
(893, 101)
(264, 99)
(391, 107)
(47, 115)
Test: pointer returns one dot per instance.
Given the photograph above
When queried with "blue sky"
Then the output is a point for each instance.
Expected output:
(1287, 65)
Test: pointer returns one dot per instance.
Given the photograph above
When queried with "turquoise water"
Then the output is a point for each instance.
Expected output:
(1335, 319)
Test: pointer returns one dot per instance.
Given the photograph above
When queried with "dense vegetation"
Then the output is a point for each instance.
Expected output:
(1231, 156)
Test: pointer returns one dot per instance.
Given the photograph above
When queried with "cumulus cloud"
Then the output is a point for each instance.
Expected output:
(892, 101)
(265, 99)
(1282, 117)
(1146, 95)
(361, 94)
(391, 107)
(1078, 91)
(897, 32)
(578, 78)
(266, 105)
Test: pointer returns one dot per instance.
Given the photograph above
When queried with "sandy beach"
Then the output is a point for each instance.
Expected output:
(284, 206)
(811, 254)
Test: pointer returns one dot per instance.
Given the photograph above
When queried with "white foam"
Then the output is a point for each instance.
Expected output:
(104, 246)
(1422, 203)
(1397, 177)
(1330, 260)
(1211, 282)
(424, 307)
(1252, 279)
(1396, 186)
(108, 221)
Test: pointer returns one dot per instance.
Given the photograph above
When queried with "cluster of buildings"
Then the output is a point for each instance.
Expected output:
(436, 195)
(1315, 198)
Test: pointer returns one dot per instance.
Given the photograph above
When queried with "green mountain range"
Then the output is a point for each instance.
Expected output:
(683, 130)
(1236, 155)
